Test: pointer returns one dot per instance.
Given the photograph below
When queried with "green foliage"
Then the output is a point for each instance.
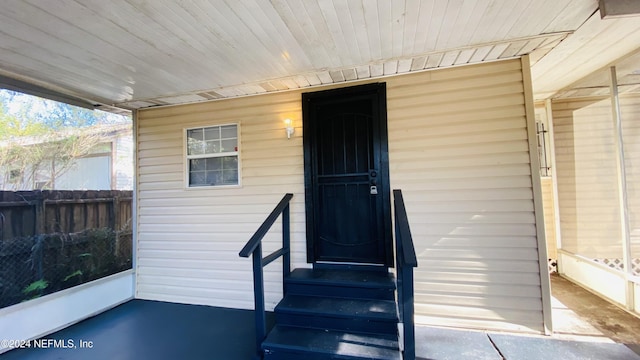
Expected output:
(74, 274)
(36, 286)
(40, 139)
(11, 126)
(66, 260)
(53, 115)
(47, 155)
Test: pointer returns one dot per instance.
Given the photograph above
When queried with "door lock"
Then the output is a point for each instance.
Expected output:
(373, 190)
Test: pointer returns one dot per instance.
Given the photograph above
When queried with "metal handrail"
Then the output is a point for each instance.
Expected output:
(405, 262)
(264, 228)
(254, 247)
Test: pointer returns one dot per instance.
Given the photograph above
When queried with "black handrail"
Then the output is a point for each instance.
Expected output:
(254, 247)
(405, 262)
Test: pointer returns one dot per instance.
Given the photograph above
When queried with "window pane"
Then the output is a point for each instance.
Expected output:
(195, 143)
(229, 131)
(229, 145)
(214, 164)
(230, 177)
(195, 134)
(213, 147)
(197, 165)
(214, 178)
(195, 147)
(230, 162)
(197, 178)
(212, 133)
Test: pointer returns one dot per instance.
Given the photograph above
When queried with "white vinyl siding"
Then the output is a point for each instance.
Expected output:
(458, 149)
(189, 239)
(546, 182)
(549, 217)
(630, 113)
(586, 175)
(124, 162)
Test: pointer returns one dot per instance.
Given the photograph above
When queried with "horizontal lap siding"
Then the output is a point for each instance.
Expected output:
(549, 217)
(586, 176)
(189, 239)
(459, 151)
(630, 112)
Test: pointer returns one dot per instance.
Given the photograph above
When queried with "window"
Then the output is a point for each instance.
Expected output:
(212, 156)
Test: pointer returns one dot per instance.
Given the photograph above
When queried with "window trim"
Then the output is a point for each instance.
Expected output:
(186, 157)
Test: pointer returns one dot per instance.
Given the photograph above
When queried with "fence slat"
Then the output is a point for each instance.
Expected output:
(29, 213)
(53, 240)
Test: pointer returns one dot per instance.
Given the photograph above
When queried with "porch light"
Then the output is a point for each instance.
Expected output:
(289, 127)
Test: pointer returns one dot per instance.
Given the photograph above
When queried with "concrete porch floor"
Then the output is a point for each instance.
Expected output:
(579, 314)
(587, 328)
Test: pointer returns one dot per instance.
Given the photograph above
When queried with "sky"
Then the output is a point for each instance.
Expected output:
(52, 113)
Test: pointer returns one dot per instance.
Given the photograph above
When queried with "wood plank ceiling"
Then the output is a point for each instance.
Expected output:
(579, 66)
(137, 53)
(598, 83)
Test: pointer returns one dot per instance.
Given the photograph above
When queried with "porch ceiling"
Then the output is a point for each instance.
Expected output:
(136, 54)
(597, 84)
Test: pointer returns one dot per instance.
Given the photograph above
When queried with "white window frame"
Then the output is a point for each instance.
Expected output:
(188, 157)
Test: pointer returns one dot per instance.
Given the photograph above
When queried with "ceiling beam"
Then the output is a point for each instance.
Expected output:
(31, 89)
(619, 8)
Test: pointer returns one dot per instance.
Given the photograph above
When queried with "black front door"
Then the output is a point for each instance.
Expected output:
(347, 176)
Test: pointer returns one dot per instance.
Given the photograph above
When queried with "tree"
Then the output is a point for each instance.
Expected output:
(35, 162)
(52, 114)
(40, 139)
(11, 126)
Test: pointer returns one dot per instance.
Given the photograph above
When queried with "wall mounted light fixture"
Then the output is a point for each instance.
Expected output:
(289, 128)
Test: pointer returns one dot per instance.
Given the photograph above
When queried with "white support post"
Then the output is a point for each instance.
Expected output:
(622, 189)
(135, 127)
(554, 179)
(545, 281)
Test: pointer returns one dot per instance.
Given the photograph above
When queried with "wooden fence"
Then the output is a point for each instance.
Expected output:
(28, 213)
(62, 237)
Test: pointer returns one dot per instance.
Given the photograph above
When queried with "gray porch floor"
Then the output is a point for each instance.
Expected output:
(142, 329)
